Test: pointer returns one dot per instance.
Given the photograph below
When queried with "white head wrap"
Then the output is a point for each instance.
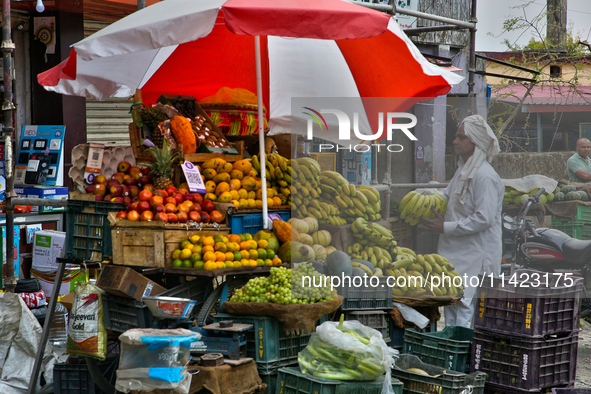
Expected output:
(487, 146)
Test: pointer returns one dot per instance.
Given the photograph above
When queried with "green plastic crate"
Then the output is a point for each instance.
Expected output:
(450, 382)
(267, 343)
(88, 233)
(270, 380)
(292, 381)
(449, 348)
(571, 231)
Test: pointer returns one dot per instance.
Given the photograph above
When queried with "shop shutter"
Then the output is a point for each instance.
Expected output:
(107, 122)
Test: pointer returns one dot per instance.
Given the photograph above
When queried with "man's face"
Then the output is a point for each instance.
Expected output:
(462, 144)
(584, 148)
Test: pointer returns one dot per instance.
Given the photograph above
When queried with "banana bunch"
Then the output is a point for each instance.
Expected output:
(307, 191)
(380, 258)
(352, 201)
(278, 173)
(369, 233)
(427, 273)
(414, 206)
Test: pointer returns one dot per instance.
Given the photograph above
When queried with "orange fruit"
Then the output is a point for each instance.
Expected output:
(209, 266)
(260, 262)
(245, 254)
(176, 254)
(207, 248)
(229, 256)
(220, 265)
(220, 256)
(253, 244)
(195, 257)
(197, 249)
(247, 237)
(276, 201)
(234, 238)
(253, 254)
(252, 263)
(218, 238)
(276, 261)
(263, 243)
(244, 262)
(268, 263)
(244, 245)
(237, 256)
(208, 241)
(185, 254)
(229, 264)
(209, 256)
(220, 247)
(198, 265)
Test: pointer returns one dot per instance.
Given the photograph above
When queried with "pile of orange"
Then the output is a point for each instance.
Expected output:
(220, 252)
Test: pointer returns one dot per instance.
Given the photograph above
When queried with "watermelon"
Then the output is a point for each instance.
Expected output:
(572, 195)
(559, 196)
(568, 188)
(583, 196)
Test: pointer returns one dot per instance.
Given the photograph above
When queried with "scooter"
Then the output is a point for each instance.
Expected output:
(544, 249)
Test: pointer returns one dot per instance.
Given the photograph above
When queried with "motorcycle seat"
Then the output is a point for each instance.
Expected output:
(577, 251)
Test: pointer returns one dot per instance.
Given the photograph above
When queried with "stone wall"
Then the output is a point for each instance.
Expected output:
(518, 165)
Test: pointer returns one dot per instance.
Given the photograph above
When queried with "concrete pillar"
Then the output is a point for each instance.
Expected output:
(429, 149)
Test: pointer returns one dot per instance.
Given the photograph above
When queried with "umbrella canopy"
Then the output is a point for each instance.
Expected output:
(309, 48)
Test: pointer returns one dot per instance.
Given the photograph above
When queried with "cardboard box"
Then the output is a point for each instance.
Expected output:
(50, 193)
(71, 277)
(125, 282)
(47, 247)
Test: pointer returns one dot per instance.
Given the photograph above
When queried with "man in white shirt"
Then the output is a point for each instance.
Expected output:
(471, 232)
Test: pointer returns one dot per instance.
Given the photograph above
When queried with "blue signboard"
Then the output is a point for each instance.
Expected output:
(39, 159)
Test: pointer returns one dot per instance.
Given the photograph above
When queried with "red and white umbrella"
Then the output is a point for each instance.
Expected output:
(308, 48)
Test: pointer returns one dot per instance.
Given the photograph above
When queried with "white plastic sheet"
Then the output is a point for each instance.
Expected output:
(20, 332)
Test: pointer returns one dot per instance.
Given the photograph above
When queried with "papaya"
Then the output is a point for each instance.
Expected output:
(183, 133)
(235, 174)
(223, 177)
(249, 184)
(284, 231)
(226, 167)
(213, 163)
(243, 166)
(295, 252)
(209, 173)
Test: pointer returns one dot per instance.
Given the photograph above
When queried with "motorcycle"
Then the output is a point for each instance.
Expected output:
(544, 249)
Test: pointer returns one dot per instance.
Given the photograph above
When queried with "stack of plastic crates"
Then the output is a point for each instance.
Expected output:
(578, 227)
(270, 345)
(526, 331)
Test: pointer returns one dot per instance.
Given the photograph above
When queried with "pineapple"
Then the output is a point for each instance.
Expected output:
(161, 168)
(151, 117)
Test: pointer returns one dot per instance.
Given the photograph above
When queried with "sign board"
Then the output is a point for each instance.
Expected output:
(40, 156)
(193, 177)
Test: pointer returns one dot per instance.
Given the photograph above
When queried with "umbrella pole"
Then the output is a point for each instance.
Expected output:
(257, 51)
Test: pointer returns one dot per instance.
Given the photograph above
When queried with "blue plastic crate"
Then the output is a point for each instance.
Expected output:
(251, 223)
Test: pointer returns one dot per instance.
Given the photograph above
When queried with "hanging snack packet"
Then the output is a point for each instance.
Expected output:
(87, 335)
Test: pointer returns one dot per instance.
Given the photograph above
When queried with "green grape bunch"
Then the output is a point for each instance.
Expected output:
(277, 288)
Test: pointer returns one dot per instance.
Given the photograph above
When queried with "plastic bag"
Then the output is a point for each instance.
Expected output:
(154, 359)
(87, 335)
(341, 355)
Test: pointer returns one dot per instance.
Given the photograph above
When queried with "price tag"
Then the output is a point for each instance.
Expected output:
(193, 177)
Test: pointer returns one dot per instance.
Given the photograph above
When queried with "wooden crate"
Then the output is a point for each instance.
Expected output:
(150, 244)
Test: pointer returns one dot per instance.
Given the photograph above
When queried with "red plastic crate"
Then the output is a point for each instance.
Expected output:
(525, 363)
(532, 310)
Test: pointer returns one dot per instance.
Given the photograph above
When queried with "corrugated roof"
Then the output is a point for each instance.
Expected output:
(545, 95)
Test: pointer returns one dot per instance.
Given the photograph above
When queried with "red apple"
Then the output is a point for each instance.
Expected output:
(207, 206)
(108, 197)
(127, 201)
(162, 217)
(183, 192)
(146, 216)
(170, 200)
(119, 177)
(158, 209)
(132, 207)
(204, 216)
(116, 191)
(90, 189)
(145, 195)
(130, 182)
(118, 200)
(161, 193)
(179, 198)
(125, 191)
(196, 207)
(113, 182)
(198, 198)
(172, 218)
(123, 167)
(189, 197)
(145, 170)
(98, 198)
(171, 190)
(144, 180)
(148, 187)
(99, 179)
(194, 216)
(135, 173)
(122, 214)
(134, 191)
(143, 206)
(182, 217)
(133, 216)
(97, 190)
